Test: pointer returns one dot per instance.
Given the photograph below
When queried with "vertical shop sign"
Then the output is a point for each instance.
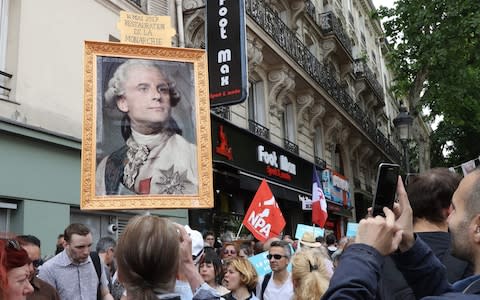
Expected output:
(226, 48)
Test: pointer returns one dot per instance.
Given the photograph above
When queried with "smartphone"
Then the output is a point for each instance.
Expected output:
(387, 177)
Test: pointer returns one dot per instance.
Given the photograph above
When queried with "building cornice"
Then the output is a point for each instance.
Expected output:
(38, 133)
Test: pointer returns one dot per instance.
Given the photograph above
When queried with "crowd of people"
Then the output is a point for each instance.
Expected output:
(427, 246)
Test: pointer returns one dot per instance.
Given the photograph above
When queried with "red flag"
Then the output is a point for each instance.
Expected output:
(264, 218)
(319, 204)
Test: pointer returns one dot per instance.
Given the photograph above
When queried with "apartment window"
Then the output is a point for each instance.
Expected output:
(256, 103)
(339, 160)
(318, 143)
(289, 122)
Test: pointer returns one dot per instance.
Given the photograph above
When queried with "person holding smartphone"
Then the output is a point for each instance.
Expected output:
(358, 273)
(430, 196)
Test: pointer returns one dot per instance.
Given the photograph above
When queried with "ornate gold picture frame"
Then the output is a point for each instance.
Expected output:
(146, 128)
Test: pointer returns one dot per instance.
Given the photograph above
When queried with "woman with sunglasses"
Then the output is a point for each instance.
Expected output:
(241, 279)
(229, 250)
(14, 271)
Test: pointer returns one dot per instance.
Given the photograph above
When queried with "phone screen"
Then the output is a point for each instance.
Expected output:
(387, 178)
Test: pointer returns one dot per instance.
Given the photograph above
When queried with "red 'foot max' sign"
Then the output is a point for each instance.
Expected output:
(226, 48)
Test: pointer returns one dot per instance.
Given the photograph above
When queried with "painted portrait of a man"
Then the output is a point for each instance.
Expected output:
(146, 138)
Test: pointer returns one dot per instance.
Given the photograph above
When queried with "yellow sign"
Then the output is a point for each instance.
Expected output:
(145, 29)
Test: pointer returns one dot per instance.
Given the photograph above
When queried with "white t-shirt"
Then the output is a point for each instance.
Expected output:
(274, 291)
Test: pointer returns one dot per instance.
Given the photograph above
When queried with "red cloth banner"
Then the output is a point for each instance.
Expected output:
(264, 218)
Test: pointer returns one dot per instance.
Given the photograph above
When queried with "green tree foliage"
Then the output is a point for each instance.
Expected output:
(436, 59)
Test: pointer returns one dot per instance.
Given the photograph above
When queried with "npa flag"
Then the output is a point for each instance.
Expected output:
(264, 218)
(319, 204)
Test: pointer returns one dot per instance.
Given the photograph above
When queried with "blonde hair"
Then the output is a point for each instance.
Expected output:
(248, 275)
(309, 274)
(148, 257)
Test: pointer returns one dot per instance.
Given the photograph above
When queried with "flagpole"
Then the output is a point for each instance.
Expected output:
(240, 229)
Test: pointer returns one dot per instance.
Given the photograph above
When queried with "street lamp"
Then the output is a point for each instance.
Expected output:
(402, 123)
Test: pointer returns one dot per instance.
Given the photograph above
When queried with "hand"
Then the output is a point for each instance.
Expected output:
(380, 233)
(185, 247)
(404, 215)
(187, 268)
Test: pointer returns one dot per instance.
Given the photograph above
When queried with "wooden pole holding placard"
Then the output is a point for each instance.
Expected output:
(239, 230)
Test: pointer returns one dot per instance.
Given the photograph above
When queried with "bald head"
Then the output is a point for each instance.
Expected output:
(471, 186)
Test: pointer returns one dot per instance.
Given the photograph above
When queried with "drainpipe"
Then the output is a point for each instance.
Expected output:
(180, 29)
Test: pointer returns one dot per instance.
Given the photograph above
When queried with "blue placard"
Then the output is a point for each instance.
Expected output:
(260, 263)
(352, 229)
(301, 228)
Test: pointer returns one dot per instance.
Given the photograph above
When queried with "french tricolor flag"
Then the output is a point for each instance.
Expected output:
(319, 204)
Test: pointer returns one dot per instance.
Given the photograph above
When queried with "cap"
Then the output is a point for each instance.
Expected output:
(197, 243)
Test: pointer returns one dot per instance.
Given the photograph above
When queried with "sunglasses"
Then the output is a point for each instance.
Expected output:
(230, 251)
(276, 256)
(12, 244)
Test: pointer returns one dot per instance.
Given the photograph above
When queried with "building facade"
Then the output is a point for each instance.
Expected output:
(319, 90)
(318, 96)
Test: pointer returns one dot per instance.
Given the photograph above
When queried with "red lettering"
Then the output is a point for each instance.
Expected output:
(278, 173)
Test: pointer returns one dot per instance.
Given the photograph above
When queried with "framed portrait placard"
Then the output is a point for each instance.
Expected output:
(146, 128)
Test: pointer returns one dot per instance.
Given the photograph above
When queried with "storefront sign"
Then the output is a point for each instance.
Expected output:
(336, 188)
(245, 151)
(306, 202)
(277, 167)
(226, 48)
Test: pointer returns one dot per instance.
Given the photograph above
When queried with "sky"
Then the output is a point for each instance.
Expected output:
(387, 3)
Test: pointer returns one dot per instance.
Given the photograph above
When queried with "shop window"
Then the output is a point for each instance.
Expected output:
(5, 215)
(256, 103)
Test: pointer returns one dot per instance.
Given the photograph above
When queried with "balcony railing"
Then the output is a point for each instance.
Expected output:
(267, 19)
(258, 129)
(310, 10)
(4, 77)
(361, 70)
(329, 24)
(320, 162)
(290, 146)
(136, 2)
(222, 111)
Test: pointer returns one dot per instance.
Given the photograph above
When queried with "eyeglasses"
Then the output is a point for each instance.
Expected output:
(229, 251)
(276, 256)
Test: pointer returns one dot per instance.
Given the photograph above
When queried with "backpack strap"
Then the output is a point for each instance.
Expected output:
(98, 268)
(265, 281)
(473, 288)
